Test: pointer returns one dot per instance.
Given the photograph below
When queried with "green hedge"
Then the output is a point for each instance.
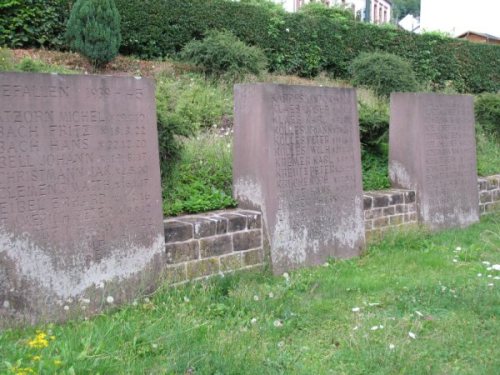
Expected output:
(305, 44)
(27, 23)
(296, 43)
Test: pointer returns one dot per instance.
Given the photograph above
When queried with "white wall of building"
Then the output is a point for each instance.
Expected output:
(458, 16)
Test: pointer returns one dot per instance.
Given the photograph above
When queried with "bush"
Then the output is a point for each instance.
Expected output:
(94, 30)
(373, 124)
(383, 73)
(201, 180)
(487, 110)
(26, 23)
(223, 54)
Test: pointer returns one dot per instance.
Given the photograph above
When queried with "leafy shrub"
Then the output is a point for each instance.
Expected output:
(487, 110)
(220, 53)
(373, 123)
(322, 10)
(37, 66)
(94, 30)
(25, 23)
(374, 167)
(383, 73)
(201, 180)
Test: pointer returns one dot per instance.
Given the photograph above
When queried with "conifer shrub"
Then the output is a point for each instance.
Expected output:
(221, 53)
(383, 73)
(94, 30)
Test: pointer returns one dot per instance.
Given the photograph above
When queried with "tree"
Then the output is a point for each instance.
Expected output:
(403, 7)
(93, 30)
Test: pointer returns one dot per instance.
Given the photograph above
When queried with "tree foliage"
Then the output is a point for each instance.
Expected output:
(94, 30)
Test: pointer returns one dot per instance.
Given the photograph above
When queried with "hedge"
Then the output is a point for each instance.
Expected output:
(26, 23)
(297, 43)
(305, 44)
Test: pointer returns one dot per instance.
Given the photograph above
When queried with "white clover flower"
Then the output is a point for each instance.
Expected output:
(490, 276)
(412, 335)
(271, 295)
(256, 298)
(286, 276)
(479, 274)
(253, 321)
(392, 346)
(278, 323)
(135, 303)
(490, 284)
(186, 299)
(355, 309)
(110, 299)
(287, 30)
(497, 277)
(355, 328)
(455, 260)
(281, 344)
(154, 346)
(374, 328)
(496, 267)
(458, 248)
(486, 263)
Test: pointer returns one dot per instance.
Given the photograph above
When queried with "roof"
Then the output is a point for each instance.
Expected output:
(484, 35)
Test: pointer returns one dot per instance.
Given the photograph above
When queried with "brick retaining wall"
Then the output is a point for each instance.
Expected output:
(198, 246)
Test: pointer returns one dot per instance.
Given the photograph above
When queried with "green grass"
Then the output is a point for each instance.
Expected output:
(488, 153)
(253, 323)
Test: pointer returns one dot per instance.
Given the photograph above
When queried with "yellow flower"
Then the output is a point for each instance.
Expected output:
(57, 362)
(52, 338)
(40, 341)
(36, 358)
(23, 370)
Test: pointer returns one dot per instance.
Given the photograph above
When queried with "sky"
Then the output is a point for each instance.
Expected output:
(458, 16)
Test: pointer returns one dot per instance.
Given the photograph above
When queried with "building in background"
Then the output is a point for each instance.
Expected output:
(374, 11)
(479, 37)
(458, 17)
(410, 23)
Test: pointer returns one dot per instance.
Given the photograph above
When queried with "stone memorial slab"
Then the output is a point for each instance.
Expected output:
(80, 196)
(297, 158)
(433, 151)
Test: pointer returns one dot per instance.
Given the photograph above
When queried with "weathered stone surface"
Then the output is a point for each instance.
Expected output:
(202, 227)
(213, 246)
(433, 151)
(297, 158)
(367, 202)
(235, 222)
(80, 201)
(247, 240)
(182, 251)
(220, 223)
(230, 262)
(175, 274)
(380, 201)
(176, 231)
(252, 257)
(202, 268)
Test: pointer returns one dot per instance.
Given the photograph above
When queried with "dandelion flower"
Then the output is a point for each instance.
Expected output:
(66, 308)
(110, 299)
(36, 358)
(40, 341)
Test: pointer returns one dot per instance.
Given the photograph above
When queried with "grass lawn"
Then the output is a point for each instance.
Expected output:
(416, 303)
